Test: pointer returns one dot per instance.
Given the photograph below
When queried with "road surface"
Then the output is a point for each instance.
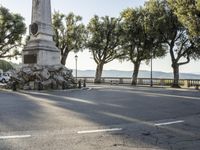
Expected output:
(100, 118)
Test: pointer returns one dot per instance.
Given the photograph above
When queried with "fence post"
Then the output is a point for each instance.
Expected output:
(121, 81)
(79, 84)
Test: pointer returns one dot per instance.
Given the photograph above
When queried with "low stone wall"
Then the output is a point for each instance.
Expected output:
(43, 78)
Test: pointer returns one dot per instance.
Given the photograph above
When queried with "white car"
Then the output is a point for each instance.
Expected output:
(4, 77)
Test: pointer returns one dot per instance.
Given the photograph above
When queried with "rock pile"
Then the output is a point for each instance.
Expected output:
(43, 78)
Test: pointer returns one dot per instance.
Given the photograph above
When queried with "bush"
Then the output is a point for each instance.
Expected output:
(5, 66)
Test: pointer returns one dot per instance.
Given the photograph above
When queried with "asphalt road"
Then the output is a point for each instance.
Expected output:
(100, 118)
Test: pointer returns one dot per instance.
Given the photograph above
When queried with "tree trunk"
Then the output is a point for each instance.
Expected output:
(98, 73)
(135, 73)
(176, 75)
(64, 58)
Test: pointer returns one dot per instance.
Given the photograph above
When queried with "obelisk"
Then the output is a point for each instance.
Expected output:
(41, 49)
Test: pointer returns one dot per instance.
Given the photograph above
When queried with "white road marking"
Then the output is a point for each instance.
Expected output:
(168, 123)
(14, 137)
(89, 89)
(101, 130)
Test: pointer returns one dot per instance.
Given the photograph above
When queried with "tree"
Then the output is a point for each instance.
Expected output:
(103, 41)
(12, 29)
(70, 34)
(181, 47)
(5, 66)
(141, 42)
(188, 13)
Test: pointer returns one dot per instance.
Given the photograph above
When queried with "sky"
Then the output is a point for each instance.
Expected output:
(87, 9)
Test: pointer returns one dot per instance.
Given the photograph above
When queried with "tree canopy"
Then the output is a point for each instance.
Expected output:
(70, 34)
(5, 66)
(188, 12)
(12, 29)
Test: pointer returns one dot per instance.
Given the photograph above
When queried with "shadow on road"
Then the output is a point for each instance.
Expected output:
(134, 111)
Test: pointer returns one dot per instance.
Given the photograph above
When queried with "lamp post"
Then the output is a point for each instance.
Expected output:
(76, 59)
(151, 69)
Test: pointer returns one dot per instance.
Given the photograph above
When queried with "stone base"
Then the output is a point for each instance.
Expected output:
(41, 52)
(38, 77)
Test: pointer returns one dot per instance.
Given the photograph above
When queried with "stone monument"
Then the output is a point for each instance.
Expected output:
(41, 48)
(41, 58)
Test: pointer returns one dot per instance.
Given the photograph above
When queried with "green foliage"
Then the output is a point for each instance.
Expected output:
(141, 40)
(12, 29)
(104, 38)
(104, 41)
(70, 33)
(5, 66)
(181, 46)
(173, 33)
(188, 12)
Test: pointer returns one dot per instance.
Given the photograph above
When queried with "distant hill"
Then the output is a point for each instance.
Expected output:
(142, 74)
(117, 73)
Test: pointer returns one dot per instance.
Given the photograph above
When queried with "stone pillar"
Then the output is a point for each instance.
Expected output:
(41, 49)
(41, 15)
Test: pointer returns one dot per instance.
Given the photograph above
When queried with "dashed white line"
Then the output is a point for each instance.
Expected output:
(14, 137)
(168, 123)
(101, 130)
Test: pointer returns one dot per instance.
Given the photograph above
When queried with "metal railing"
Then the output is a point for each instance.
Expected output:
(143, 81)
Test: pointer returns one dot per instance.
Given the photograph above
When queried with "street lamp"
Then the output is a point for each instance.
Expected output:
(151, 52)
(76, 59)
(151, 69)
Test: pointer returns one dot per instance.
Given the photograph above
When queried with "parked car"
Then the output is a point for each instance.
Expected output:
(4, 77)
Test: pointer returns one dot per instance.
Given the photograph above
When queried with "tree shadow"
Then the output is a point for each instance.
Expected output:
(135, 111)
(16, 111)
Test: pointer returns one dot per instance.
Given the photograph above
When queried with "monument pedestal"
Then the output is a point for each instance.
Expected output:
(41, 52)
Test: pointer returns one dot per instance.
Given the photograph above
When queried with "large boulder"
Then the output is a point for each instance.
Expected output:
(45, 74)
(27, 70)
(55, 68)
(60, 79)
(37, 68)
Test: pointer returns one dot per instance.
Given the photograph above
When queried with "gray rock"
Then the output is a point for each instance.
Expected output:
(45, 74)
(37, 76)
(54, 84)
(25, 78)
(37, 67)
(32, 85)
(55, 68)
(27, 70)
(26, 87)
(59, 79)
(47, 84)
